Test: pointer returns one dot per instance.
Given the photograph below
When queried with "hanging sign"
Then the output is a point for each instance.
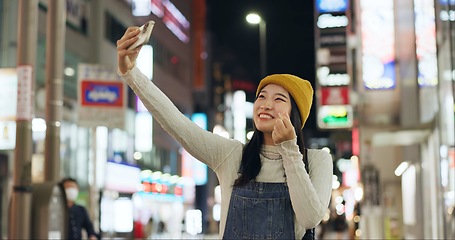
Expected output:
(334, 95)
(101, 97)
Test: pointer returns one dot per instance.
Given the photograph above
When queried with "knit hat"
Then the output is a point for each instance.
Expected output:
(299, 89)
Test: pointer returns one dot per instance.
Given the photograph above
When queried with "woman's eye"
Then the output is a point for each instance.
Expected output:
(261, 96)
(279, 99)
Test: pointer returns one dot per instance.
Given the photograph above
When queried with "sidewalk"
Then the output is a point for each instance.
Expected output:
(331, 235)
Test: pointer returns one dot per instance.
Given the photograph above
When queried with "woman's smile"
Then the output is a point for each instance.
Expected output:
(272, 100)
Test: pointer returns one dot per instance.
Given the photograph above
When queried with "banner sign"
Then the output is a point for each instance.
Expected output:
(330, 6)
(378, 49)
(101, 97)
(335, 116)
(102, 93)
(334, 95)
(25, 101)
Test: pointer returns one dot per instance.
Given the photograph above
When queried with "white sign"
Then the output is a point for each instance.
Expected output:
(25, 99)
(326, 78)
(330, 21)
(101, 97)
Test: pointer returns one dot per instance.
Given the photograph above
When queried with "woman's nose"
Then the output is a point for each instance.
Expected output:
(266, 105)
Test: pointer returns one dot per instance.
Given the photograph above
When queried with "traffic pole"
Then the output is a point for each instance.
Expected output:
(55, 59)
(19, 223)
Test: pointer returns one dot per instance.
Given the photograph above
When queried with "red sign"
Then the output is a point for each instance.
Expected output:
(334, 96)
(101, 93)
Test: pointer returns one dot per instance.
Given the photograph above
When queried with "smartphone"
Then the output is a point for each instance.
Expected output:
(144, 35)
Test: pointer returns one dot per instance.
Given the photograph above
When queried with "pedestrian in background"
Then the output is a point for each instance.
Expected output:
(266, 191)
(78, 218)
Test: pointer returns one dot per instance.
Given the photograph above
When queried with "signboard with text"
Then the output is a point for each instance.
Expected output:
(335, 116)
(102, 93)
(333, 79)
(101, 97)
(324, 6)
(334, 95)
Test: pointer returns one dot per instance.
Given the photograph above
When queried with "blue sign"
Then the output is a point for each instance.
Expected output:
(102, 93)
(331, 6)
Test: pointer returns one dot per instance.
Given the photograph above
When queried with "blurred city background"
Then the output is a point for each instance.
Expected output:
(383, 73)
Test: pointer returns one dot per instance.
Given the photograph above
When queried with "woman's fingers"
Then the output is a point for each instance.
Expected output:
(286, 120)
(283, 129)
(130, 36)
(125, 56)
(122, 47)
(131, 32)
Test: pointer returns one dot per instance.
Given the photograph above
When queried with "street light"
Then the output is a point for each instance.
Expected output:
(254, 18)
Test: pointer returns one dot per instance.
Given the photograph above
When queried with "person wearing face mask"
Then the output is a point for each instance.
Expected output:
(78, 218)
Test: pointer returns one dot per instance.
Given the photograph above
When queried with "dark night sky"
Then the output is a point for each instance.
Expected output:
(290, 33)
(290, 39)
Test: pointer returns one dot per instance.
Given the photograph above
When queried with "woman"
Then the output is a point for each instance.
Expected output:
(266, 191)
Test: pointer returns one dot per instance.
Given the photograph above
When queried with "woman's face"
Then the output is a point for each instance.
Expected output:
(272, 99)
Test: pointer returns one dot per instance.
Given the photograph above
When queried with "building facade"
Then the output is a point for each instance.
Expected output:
(87, 144)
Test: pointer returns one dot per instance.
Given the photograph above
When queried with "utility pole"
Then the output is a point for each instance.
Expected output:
(263, 46)
(55, 59)
(21, 200)
(254, 18)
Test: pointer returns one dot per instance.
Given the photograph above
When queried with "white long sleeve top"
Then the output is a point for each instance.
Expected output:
(309, 193)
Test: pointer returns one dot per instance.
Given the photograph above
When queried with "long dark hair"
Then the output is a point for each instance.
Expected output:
(250, 166)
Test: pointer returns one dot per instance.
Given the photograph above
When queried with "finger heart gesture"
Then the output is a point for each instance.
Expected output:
(283, 129)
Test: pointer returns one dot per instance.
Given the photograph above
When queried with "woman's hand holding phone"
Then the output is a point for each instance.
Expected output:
(126, 55)
(144, 35)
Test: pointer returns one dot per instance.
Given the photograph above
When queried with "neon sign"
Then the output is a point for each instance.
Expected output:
(324, 6)
(161, 186)
(330, 21)
(172, 18)
(378, 45)
(326, 78)
(164, 9)
(335, 116)
(425, 30)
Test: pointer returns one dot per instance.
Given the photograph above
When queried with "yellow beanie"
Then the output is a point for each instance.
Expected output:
(299, 89)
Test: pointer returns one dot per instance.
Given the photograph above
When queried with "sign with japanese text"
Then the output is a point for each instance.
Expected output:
(101, 97)
(102, 93)
(25, 99)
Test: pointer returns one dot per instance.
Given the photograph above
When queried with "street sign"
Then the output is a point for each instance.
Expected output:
(102, 93)
(101, 97)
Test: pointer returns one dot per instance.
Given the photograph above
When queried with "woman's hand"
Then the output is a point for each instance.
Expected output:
(126, 58)
(283, 129)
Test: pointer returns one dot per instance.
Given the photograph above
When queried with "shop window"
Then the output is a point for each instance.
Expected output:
(114, 29)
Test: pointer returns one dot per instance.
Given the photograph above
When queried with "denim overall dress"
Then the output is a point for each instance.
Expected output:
(260, 210)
